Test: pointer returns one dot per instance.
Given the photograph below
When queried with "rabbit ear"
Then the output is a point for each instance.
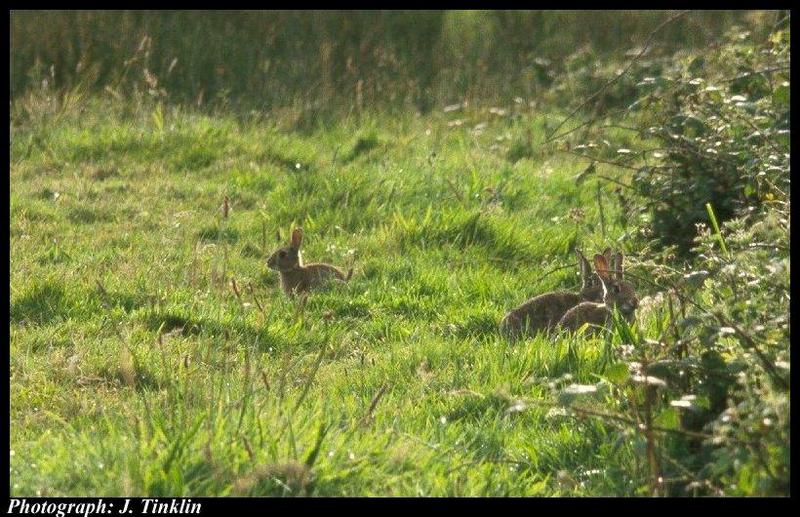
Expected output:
(297, 237)
(605, 289)
(608, 255)
(585, 269)
(601, 266)
(618, 266)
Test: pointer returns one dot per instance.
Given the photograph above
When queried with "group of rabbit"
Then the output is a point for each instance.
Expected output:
(601, 292)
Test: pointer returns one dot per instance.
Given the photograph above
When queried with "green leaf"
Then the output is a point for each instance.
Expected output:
(158, 118)
(312, 455)
(617, 373)
(668, 419)
(702, 402)
(623, 328)
(781, 95)
(713, 93)
(665, 368)
(591, 169)
(695, 125)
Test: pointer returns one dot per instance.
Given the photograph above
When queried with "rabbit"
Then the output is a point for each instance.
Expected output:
(616, 293)
(543, 312)
(297, 277)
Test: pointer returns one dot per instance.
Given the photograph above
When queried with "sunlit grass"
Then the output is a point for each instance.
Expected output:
(135, 368)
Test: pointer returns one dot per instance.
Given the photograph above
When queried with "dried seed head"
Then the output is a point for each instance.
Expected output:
(248, 447)
(236, 289)
(225, 207)
(577, 214)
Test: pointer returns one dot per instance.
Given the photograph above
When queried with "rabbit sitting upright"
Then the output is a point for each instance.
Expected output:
(543, 312)
(297, 277)
(616, 293)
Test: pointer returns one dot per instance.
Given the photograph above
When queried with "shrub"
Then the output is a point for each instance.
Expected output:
(715, 131)
(707, 381)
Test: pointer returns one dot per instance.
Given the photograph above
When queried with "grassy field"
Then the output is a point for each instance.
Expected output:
(455, 161)
(136, 368)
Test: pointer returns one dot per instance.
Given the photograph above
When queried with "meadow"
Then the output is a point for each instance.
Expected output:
(153, 353)
(135, 362)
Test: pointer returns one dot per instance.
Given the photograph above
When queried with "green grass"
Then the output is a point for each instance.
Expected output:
(136, 370)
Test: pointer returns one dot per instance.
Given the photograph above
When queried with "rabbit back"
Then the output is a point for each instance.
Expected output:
(538, 314)
(303, 278)
(319, 272)
(595, 314)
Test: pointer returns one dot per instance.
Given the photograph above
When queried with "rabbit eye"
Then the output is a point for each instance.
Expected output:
(282, 254)
(617, 289)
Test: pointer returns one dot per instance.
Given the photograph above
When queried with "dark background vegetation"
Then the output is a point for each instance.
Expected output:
(338, 58)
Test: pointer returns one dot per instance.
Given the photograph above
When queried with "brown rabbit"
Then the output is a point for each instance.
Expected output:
(543, 312)
(616, 293)
(297, 277)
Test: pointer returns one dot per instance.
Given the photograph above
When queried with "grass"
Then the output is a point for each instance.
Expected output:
(136, 370)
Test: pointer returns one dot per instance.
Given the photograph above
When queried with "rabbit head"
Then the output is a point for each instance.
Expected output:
(288, 257)
(616, 292)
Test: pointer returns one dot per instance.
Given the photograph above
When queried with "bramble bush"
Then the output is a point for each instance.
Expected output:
(705, 391)
(716, 130)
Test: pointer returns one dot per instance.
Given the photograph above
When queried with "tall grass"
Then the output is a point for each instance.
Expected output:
(346, 59)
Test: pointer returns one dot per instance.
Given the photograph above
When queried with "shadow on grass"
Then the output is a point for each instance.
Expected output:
(141, 379)
(128, 302)
(473, 408)
(466, 230)
(476, 325)
(89, 215)
(190, 326)
(288, 163)
(211, 233)
(363, 145)
(46, 302)
(187, 150)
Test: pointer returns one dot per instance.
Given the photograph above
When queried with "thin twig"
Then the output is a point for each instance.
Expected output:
(625, 420)
(754, 72)
(607, 162)
(255, 298)
(610, 114)
(454, 189)
(366, 418)
(624, 72)
(750, 342)
(553, 271)
(600, 211)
